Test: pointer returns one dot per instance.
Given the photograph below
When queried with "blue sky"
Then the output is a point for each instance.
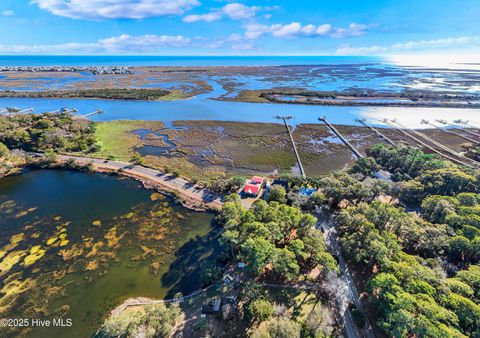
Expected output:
(250, 27)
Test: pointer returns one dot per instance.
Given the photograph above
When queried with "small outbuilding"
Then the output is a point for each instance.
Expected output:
(212, 307)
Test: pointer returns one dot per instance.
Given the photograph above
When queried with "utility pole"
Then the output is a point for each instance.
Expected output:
(300, 165)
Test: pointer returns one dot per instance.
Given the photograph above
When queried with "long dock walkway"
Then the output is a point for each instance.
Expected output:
(425, 145)
(469, 139)
(377, 132)
(340, 136)
(98, 111)
(297, 155)
(439, 145)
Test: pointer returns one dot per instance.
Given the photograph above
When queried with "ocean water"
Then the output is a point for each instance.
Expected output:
(116, 60)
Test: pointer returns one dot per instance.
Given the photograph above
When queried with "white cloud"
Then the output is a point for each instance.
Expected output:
(235, 11)
(410, 46)
(8, 12)
(238, 11)
(209, 17)
(119, 44)
(296, 30)
(256, 30)
(115, 9)
(354, 29)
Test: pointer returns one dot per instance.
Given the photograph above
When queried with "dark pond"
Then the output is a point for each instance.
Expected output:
(75, 245)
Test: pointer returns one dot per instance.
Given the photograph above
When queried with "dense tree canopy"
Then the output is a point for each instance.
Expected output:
(274, 239)
(60, 132)
(423, 279)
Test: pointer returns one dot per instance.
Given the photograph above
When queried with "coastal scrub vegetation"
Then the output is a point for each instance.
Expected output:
(155, 320)
(101, 93)
(48, 131)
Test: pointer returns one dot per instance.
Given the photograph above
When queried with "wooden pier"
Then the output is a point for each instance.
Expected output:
(98, 111)
(376, 131)
(463, 125)
(398, 127)
(340, 136)
(450, 132)
(297, 155)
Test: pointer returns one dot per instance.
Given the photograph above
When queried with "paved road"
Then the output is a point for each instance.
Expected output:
(330, 235)
(191, 194)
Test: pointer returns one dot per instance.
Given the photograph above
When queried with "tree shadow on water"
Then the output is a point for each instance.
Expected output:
(184, 274)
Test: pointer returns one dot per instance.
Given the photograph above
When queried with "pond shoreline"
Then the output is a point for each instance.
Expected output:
(191, 197)
(168, 186)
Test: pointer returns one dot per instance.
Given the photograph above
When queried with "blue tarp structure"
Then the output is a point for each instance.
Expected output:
(307, 191)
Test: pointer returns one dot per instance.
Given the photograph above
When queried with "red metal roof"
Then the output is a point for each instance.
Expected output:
(257, 179)
(251, 189)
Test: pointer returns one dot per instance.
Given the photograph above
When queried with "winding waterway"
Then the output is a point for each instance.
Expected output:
(206, 107)
(75, 245)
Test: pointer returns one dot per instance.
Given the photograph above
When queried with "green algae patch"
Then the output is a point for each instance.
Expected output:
(17, 238)
(17, 286)
(95, 249)
(60, 236)
(10, 260)
(112, 238)
(7, 248)
(156, 196)
(63, 239)
(75, 251)
(25, 212)
(36, 253)
(52, 240)
(11, 290)
(91, 266)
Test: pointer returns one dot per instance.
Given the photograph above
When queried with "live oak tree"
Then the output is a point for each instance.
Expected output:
(274, 239)
(406, 255)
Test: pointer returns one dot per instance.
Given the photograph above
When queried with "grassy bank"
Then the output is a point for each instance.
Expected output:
(116, 139)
